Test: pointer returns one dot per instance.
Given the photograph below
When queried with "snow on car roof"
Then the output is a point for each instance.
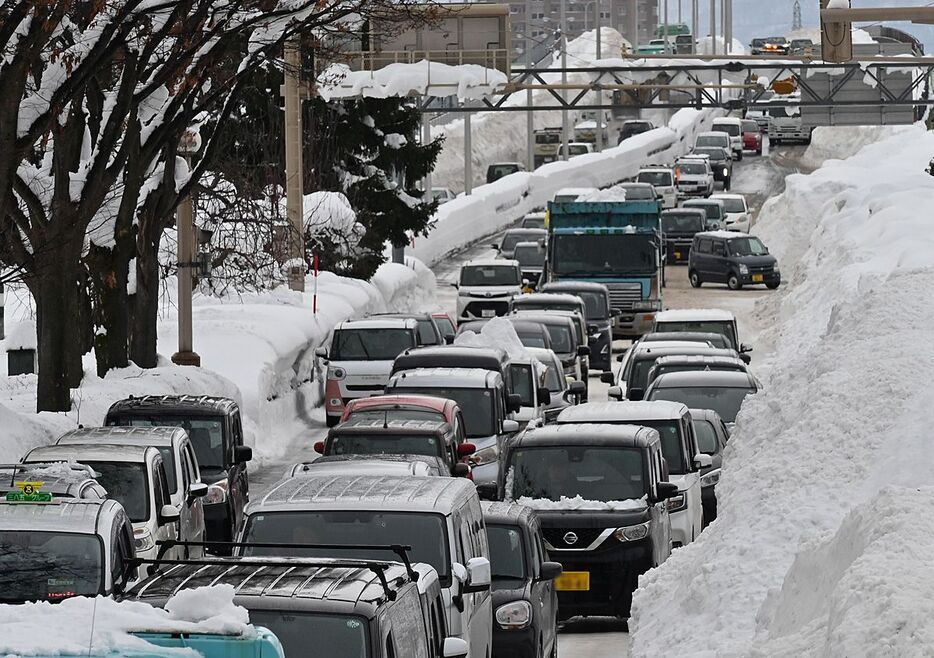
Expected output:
(704, 378)
(702, 202)
(726, 196)
(66, 515)
(629, 434)
(617, 412)
(404, 493)
(486, 262)
(444, 378)
(724, 235)
(694, 314)
(394, 401)
(80, 452)
(138, 436)
(548, 297)
(378, 323)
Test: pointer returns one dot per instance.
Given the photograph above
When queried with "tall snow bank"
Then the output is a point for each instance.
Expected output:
(843, 415)
(840, 142)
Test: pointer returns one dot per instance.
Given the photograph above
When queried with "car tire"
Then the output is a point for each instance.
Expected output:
(695, 279)
(759, 151)
(726, 184)
(740, 156)
(772, 286)
(733, 283)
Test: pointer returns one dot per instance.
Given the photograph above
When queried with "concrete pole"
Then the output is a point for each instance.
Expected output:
(634, 23)
(565, 129)
(2, 328)
(713, 25)
(468, 156)
(596, 26)
(294, 189)
(529, 116)
(726, 48)
(728, 25)
(695, 25)
(680, 19)
(185, 252)
(666, 36)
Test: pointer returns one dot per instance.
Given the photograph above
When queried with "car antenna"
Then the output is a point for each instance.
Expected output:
(385, 419)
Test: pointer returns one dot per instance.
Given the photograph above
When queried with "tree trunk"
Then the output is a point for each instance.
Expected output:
(55, 290)
(144, 314)
(108, 275)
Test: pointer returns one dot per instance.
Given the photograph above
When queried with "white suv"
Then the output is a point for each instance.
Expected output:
(694, 176)
(735, 212)
(662, 178)
(485, 287)
(733, 127)
(360, 359)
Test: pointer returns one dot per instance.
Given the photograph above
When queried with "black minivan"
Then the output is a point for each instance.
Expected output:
(736, 259)
(599, 315)
(600, 492)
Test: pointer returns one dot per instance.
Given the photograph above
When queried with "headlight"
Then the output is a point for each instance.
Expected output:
(726, 171)
(648, 305)
(710, 479)
(463, 293)
(775, 268)
(217, 493)
(485, 456)
(743, 269)
(514, 616)
(632, 532)
(677, 503)
(336, 373)
(142, 540)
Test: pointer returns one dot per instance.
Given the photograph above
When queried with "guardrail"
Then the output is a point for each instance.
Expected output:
(496, 58)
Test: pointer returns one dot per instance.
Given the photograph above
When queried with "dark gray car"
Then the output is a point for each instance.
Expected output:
(736, 259)
(719, 391)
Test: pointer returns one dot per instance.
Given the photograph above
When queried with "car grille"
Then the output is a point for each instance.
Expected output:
(477, 308)
(762, 269)
(623, 295)
(363, 388)
(585, 537)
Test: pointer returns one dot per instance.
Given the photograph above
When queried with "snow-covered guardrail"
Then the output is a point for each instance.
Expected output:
(493, 207)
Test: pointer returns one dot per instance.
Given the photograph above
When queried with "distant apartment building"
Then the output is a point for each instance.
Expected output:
(543, 17)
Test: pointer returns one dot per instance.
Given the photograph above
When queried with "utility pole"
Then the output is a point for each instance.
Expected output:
(634, 23)
(596, 25)
(529, 116)
(185, 252)
(695, 25)
(713, 25)
(294, 188)
(468, 156)
(565, 131)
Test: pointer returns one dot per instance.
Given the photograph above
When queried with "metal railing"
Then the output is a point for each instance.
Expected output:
(491, 58)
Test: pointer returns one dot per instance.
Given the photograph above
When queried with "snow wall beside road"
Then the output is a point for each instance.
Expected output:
(493, 207)
(823, 540)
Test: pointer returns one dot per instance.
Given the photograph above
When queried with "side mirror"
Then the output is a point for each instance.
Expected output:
(550, 570)
(494, 245)
(321, 352)
(702, 460)
(479, 575)
(455, 284)
(666, 490)
(744, 348)
(575, 391)
(488, 491)
(745, 358)
(635, 394)
(525, 282)
(242, 454)
(319, 447)
(197, 490)
(460, 470)
(466, 449)
(513, 402)
(544, 396)
(583, 350)
(169, 514)
(454, 647)
(510, 427)
(615, 393)
(607, 377)
(449, 339)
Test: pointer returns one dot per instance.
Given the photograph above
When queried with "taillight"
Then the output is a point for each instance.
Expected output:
(332, 396)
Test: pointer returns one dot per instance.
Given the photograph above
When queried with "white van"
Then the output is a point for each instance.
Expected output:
(732, 126)
(439, 517)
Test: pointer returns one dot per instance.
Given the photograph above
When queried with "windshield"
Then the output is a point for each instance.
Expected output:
(731, 129)
(715, 154)
(757, 42)
(490, 275)
(656, 178)
(507, 555)
(747, 247)
(685, 367)
(548, 138)
(476, 404)
(638, 192)
(593, 473)
(370, 344)
(439, 194)
(447, 327)
(684, 223)
(425, 533)
(725, 401)
(692, 168)
(596, 304)
(750, 127)
(724, 328)
(388, 415)
(577, 149)
(530, 256)
(710, 140)
(49, 566)
(522, 383)
(672, 450)
(385, 444)
(533, 222)
(707, 441)
(732, 205)
(562, 340)
(713, 210)
(346, 635)
(554, 378)
(127, 483)
(532, 339)
(498, 171)
(604, 255)
(206, 434)
(512, 238)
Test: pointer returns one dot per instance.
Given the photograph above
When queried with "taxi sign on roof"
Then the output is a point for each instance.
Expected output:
(29, 492)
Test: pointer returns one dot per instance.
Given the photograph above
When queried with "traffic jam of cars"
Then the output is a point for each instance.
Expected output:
(469, 494)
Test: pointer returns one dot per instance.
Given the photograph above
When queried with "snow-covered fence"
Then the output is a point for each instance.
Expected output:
(495, 206)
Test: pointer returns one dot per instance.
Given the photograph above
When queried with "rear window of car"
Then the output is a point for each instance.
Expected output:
(750, 127)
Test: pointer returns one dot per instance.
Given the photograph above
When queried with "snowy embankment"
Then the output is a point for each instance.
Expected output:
(256, 348)
(493, 207)
(822, 542)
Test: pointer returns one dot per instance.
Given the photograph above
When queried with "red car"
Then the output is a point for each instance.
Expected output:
(752, 137)
(408, 407)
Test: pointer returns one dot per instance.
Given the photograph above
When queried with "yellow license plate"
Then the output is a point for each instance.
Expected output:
(757, 278)
(573, 581)
(677, 254)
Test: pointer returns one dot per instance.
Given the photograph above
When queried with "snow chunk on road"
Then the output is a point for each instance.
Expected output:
(579, 503)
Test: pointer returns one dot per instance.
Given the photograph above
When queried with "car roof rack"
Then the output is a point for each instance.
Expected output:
(379, 568)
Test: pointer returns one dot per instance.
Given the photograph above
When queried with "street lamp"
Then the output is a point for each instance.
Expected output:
(189, 144)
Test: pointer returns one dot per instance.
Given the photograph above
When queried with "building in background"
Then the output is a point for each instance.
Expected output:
(544, 18)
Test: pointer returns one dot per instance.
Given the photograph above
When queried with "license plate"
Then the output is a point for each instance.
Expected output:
(488, 313)
(677, 254)
(757, 278)
(573, 581)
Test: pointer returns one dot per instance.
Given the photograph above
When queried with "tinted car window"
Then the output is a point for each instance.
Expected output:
(682, 223)
(127, 483)
(371, 344)
(562, 340)
(507, 554)
(206, 434)
(706, 437)
(593, 473)
(725, 401)
(733, 205)
(475, 403)
(49, 566)
(747, 247)
(386, 445)
(529, 339)
(489, 275)
(346, 635)
(692, 168)
(710, 326)
(670, 432)
(530, 256)
(397, 414)
(660, 178)
(730, 129)
(522, 383)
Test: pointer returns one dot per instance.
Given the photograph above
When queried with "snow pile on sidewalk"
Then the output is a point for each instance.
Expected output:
(423, 78)
(842, 418)
(26, 627)
(837, 143)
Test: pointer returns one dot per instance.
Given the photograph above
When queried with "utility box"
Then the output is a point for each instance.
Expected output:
(21, 362)
(21, 349)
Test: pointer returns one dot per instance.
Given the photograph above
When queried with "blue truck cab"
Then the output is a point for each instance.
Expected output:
(264, 644)
(616, 243)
